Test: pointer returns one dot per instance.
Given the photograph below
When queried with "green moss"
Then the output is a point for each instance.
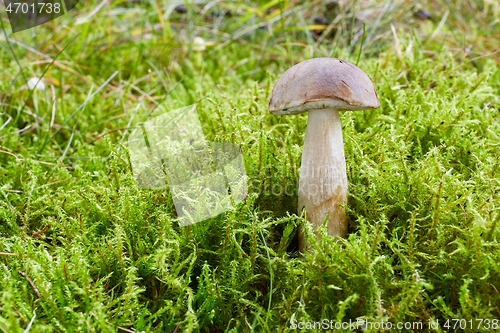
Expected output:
(86, 249)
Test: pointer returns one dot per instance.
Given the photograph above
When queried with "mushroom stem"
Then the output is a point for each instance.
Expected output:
(323, 178)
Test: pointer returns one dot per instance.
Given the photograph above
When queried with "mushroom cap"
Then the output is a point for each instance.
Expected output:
(322, 83)
(199, 44)
(35, 83)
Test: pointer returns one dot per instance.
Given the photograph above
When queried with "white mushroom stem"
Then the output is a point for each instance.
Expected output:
(323, 178)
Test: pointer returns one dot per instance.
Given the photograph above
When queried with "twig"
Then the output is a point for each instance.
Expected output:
(31, 322)
(8, 254)
(38, 233)
(53, 164)
(58, 181)
(477, 58)
(30, 282)
(6, 152)
(108, 132)
(19, 131)
(121, 328)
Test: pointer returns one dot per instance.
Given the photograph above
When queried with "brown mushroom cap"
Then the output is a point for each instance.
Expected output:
(322, 83)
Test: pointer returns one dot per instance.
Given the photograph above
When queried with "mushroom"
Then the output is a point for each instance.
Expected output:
(323, 86)
(198, 46)
(35, 83)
